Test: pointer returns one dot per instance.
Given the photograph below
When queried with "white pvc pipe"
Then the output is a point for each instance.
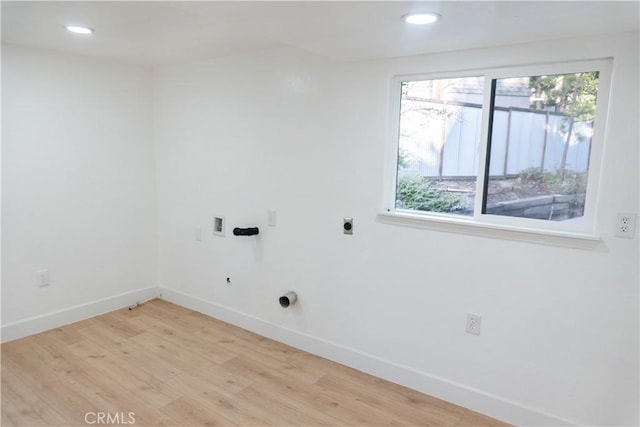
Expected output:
(288, 299)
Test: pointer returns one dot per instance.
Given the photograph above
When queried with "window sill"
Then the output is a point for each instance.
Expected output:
(471, 227)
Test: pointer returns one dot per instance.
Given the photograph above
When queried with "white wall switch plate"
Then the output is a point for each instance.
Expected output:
(271, 218)
(42, 278)
(198, 234)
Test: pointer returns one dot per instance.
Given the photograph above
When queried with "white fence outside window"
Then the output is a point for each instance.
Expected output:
(442, 142)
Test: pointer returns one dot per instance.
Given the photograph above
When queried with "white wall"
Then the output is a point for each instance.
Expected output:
(305, 136)
(78, 191)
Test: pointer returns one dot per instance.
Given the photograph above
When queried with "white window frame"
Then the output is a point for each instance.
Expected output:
(555, 232)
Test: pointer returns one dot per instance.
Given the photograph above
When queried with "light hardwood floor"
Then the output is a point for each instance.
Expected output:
(172, 366)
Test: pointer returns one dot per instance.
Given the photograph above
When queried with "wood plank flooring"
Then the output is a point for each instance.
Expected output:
(171, 366)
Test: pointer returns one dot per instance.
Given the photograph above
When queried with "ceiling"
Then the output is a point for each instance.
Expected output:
(154, 33)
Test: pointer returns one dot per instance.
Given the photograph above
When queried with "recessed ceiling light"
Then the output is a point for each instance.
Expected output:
(79, 29)
(421, 18)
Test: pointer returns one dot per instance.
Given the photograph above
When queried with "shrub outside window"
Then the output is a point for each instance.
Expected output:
(519, 146)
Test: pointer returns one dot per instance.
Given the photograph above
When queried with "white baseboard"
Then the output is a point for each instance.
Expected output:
(460, 394)
(33, 325)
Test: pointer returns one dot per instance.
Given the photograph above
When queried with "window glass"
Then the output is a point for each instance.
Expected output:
(540, 140)
(439, 132)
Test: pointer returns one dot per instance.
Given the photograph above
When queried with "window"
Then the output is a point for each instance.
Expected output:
(516, 147)
(438, 144)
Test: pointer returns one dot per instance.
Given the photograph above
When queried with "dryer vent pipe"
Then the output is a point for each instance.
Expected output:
(288, 299)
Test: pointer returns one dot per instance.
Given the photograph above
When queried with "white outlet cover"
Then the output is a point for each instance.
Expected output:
(625, 225)
(474, 321)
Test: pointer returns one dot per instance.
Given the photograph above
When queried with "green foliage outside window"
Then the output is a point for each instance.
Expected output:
(572, 94)
(417, 193)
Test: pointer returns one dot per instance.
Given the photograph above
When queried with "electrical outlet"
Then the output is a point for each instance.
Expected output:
(473, 323)
(347, 225)
(625, 225)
